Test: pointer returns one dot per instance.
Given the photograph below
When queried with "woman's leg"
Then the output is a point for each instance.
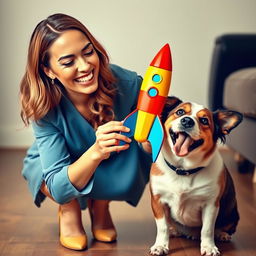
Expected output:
(72, 234)
(102, 225)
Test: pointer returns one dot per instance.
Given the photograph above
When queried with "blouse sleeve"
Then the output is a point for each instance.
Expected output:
(55, 160)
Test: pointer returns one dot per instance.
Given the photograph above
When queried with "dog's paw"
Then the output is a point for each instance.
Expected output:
(159, 250)
(222, 236)
(209, 250)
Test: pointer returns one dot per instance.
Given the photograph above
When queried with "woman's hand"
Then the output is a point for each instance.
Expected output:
(107, 139)
(147, 146)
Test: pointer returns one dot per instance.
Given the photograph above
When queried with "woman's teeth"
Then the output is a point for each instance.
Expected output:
(85, 78)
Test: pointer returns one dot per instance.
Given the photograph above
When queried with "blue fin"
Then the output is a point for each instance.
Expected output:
(156, 137)
(130, 122)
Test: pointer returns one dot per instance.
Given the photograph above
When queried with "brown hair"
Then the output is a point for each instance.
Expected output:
(39, 95)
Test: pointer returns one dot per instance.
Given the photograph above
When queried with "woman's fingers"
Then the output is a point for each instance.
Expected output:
(108, 137)
(113, 126)
(110, 132)
(115, 148)
(113, 138)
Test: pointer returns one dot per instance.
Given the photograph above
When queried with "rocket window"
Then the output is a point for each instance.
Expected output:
(157, 78)
(152, 92)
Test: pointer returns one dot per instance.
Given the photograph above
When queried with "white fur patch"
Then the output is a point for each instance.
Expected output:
(186, 195)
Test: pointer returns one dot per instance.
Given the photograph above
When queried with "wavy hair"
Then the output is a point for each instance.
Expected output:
(38, 95)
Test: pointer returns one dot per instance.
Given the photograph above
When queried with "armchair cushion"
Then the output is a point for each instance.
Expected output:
(240, 91)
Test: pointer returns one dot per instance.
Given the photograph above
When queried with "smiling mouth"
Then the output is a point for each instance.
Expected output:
(183, 143)
(85, 79)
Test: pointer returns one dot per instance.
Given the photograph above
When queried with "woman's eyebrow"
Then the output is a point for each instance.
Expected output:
(72, 55)
(86, 46)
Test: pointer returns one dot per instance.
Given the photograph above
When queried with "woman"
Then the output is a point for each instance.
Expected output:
(75, 101)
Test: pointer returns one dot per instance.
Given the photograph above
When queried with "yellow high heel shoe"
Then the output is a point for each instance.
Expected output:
(102, 226)
(72, 242)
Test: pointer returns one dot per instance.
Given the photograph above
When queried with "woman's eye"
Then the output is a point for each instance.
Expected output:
(68, 63)
(204, 121)
(180, 112)
(89, 52)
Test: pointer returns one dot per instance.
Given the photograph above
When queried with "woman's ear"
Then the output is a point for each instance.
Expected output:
(48, 72)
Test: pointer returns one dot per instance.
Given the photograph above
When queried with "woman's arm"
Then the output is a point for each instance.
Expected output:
(65, 179)
(107, 139)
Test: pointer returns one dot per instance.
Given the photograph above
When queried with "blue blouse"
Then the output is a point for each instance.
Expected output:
(63, 135)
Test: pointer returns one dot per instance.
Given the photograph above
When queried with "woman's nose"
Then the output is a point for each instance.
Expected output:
(82, 64)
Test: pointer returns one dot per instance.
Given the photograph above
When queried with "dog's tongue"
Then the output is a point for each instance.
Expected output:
(182, 144)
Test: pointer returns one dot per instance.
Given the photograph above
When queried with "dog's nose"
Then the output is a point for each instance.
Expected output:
(187, 122)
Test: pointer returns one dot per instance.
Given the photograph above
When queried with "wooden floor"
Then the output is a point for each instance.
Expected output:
(26, 230)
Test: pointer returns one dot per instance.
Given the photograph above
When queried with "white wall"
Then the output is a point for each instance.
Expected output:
(132, 32)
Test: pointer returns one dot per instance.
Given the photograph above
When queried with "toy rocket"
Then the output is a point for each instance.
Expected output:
(144, 122)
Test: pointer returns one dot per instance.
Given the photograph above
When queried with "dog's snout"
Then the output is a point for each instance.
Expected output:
(187, 122)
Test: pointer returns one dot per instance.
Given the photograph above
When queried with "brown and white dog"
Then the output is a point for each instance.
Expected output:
(192, 193)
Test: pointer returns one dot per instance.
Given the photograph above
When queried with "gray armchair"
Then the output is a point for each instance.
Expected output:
(233, 85)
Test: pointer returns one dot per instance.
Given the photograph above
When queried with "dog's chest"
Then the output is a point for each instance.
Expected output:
(186, 196)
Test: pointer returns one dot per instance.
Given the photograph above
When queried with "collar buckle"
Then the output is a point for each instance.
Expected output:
(180, 171)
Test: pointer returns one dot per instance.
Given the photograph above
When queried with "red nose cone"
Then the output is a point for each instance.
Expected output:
(163, 59)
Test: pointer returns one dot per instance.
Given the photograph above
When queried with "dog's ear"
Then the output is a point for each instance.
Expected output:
(171, 103)
(225, 121)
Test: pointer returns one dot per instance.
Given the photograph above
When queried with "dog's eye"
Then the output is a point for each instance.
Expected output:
(204, 121)
(180, 112)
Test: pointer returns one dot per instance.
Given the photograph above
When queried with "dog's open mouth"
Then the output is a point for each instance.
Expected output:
(183, 143)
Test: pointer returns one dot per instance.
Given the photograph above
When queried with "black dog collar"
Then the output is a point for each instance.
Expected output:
(180, 171)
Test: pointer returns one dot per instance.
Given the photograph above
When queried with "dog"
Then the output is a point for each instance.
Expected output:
(192, 192)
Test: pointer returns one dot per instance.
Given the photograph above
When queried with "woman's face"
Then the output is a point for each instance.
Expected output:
(75, 63)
